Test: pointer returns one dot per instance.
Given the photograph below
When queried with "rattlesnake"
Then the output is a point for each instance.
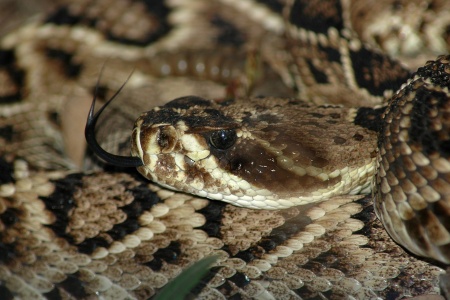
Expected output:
(110, 233)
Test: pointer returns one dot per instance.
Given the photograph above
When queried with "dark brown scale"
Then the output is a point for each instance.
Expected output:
(113, 26)
(358, 137)
(442, 187)
(338, 140)
(69, 67)
(316, 16)
(12, 88)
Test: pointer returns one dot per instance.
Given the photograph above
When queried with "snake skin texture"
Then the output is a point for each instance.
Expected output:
(73, 228)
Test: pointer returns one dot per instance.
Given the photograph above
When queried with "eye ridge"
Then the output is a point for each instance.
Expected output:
(223, 139)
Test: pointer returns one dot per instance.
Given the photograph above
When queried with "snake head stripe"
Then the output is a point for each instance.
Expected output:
(267, 153)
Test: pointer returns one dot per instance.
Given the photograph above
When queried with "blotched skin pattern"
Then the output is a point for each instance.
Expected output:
(312, 92)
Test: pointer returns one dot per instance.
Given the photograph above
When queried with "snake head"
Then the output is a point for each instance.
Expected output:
(180, 144)
(251, 152)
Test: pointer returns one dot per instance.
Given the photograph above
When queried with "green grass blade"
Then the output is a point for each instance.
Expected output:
(180, 286)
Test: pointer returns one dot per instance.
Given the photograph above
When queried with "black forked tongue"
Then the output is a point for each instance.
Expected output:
(89, 133)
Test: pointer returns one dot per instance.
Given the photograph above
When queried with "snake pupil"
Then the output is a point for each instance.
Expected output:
(223, 139)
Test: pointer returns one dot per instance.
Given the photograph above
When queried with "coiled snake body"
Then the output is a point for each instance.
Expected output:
(284, 136)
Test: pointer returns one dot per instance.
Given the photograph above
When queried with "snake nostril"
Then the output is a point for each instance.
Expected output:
(166, 138)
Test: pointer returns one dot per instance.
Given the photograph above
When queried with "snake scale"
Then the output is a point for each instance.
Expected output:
(329, 91)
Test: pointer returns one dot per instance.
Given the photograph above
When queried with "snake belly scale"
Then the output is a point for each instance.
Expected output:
(322, 149)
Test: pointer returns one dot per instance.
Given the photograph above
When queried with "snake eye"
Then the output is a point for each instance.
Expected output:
(223, 139)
